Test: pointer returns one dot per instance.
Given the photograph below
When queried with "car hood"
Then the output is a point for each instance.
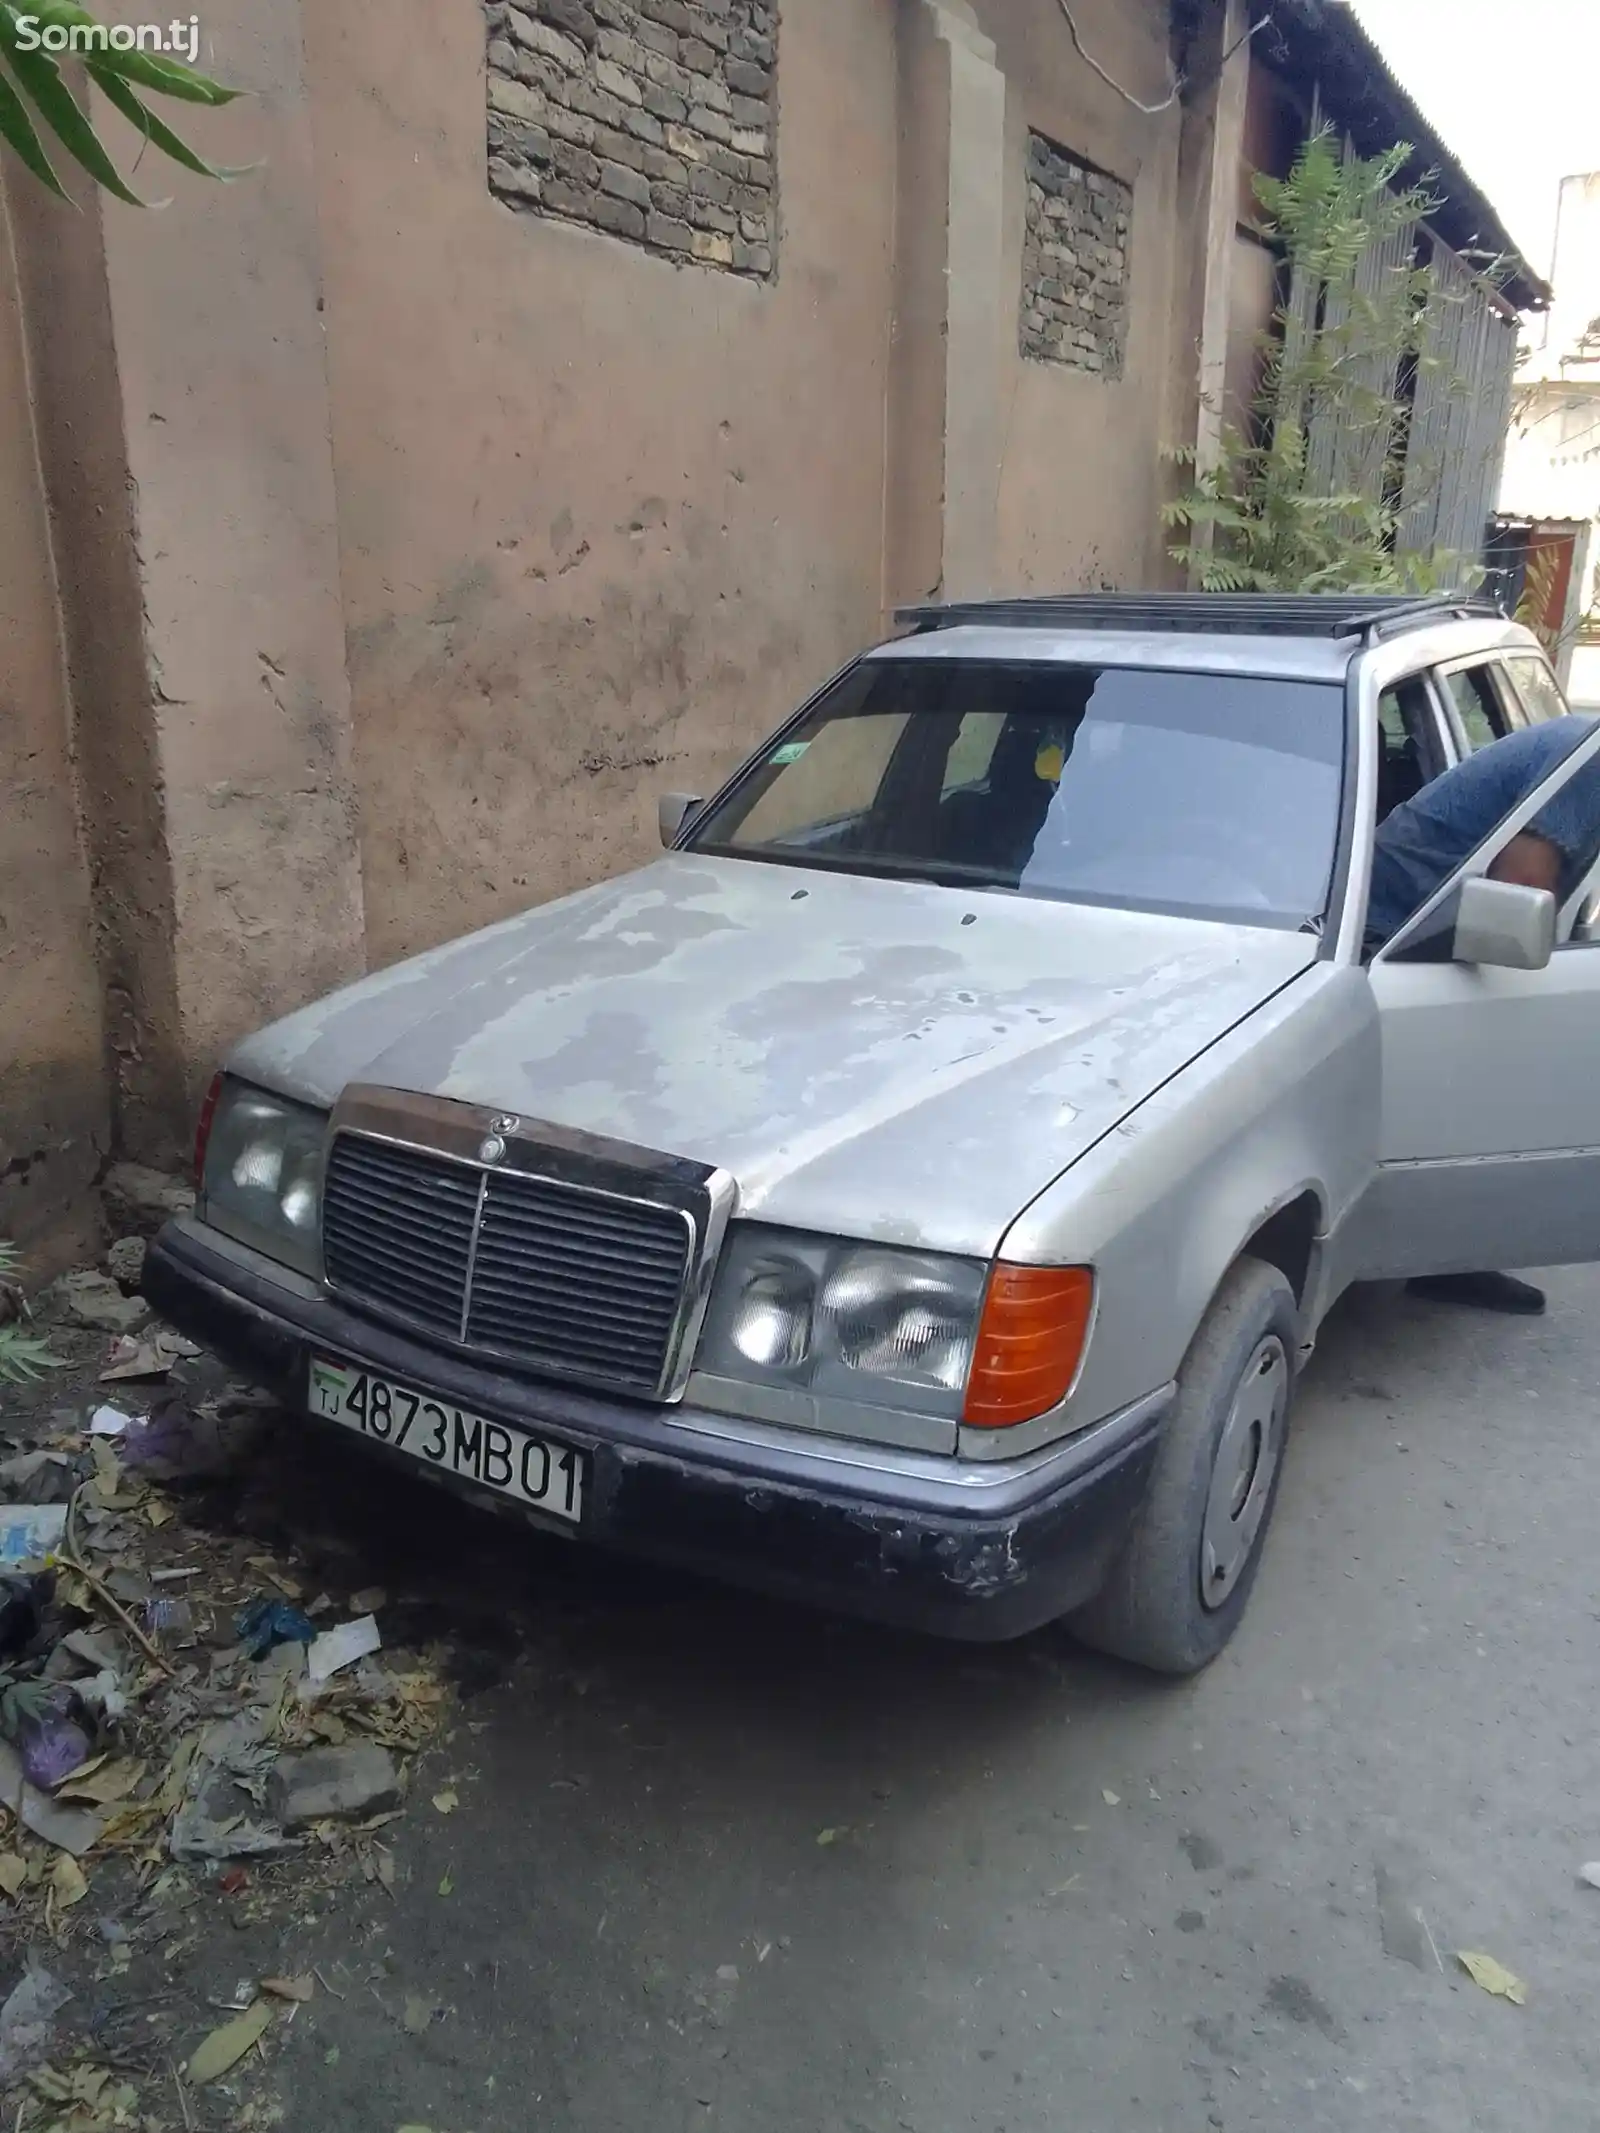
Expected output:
(898, 1060)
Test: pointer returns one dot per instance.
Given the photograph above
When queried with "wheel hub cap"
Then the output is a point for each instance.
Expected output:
(1242, 1472)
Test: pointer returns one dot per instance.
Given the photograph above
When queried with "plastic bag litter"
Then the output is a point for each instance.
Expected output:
(31, 1532)
(45, 1726)
(267, 1622)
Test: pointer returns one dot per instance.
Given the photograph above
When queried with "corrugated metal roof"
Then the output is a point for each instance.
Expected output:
(1321, 42)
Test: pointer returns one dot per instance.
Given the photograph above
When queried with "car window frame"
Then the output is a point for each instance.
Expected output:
(1510, 681)
(1479, 860)
(1512, 709)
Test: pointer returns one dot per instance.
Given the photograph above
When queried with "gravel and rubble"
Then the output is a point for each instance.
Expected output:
(208, 1716)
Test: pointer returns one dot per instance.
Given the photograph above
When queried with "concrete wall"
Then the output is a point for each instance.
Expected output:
(1082, 473)
(599, 516)
(54, 1114)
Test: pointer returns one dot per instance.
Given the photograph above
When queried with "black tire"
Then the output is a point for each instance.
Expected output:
(1151, 1608)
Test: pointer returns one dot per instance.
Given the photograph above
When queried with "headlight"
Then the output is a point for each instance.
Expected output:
(851, 1321)
(263, 1167)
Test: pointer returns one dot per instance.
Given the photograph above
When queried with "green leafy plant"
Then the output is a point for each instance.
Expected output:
(1342, 356)
(23, 1356)
(35, 102)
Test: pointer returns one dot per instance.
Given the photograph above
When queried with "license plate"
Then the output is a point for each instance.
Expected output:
(546, 1477)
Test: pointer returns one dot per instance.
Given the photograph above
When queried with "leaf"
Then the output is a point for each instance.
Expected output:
(170, 77)
(67, 1883)
(18, 131)
(447, 1802)
(102, 1783)
(289, 1988)
(117, 93)
(40, 77)
(831, 1836)
(447, 1887)
(1493, 1977)
(13, 1872)
(226, 2046)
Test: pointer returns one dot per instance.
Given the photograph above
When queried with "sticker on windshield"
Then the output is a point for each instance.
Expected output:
(790, 752)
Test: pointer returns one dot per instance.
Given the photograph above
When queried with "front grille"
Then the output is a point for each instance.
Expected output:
(574, 1283)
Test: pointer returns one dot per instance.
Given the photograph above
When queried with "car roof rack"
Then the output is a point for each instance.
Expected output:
(1353, 614)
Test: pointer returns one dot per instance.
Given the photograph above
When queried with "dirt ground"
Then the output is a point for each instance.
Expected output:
(681, 1859)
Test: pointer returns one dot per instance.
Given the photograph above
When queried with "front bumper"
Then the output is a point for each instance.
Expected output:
(979, 1550)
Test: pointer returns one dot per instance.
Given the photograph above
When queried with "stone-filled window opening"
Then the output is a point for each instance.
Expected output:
(1074, 262)
(653, 120)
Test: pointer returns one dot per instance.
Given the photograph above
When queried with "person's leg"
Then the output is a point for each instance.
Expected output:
(1481, 1292)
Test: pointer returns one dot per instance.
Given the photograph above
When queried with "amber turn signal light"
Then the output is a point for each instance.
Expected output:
(1030, 1341)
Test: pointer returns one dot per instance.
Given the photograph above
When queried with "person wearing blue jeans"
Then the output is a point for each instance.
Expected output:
(1423, 841)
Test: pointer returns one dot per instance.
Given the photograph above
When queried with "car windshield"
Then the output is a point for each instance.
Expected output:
(1208, 795)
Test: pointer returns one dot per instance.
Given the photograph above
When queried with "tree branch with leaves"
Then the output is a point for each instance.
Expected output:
(38, 111)
(1341, 360)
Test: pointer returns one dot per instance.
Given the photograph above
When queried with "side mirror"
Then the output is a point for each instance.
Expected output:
(1504, 924)
(673, 810)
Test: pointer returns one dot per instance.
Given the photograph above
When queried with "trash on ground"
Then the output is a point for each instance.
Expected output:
(1590, 1873)
(447, 1801)
(131, 1359)
(27, 2022)
(265, 1623)
(108, 1422)
(44, 1721)
(94, 1301)
(289, 1988)
(345, 1784)
(30, 1533)
(1493, 1977)
(226, 2046)
(341, 1647)
(1112, 1799)
(70, 1829)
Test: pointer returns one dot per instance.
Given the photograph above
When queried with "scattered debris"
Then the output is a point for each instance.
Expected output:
(267, 1623)
(341, 1647)
(29, 1533)
(1493, 1977)
(27, 2021)
(125, 1262)
(70, 1829)
(226, 2046)
(831, 1836)
(1401, 1923)
(1590, 1873)
(154, 1358)
(289, 1988)
(335, 1784)
(1112, 1799)
(447, 1801)
(108, 1422)
(93, 1300)
(138, 1200)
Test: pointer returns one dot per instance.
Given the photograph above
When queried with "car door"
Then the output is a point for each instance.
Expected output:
(1489, 1138)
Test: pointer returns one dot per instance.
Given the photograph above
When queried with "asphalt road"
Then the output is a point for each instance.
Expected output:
(731, 1868)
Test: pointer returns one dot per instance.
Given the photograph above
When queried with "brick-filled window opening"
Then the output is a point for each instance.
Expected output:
(654, 120)
(1074, 262)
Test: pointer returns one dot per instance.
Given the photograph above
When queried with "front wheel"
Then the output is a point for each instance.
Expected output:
(1178, 1588)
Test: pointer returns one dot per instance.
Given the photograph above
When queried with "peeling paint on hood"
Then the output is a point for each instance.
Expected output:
(896, 1060)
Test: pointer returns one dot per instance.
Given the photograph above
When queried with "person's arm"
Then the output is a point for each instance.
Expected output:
(1531, 861)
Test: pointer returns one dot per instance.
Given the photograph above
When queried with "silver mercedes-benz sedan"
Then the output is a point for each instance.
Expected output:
(918, 1190)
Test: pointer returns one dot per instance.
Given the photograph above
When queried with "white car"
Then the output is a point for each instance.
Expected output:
(919, 1189)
